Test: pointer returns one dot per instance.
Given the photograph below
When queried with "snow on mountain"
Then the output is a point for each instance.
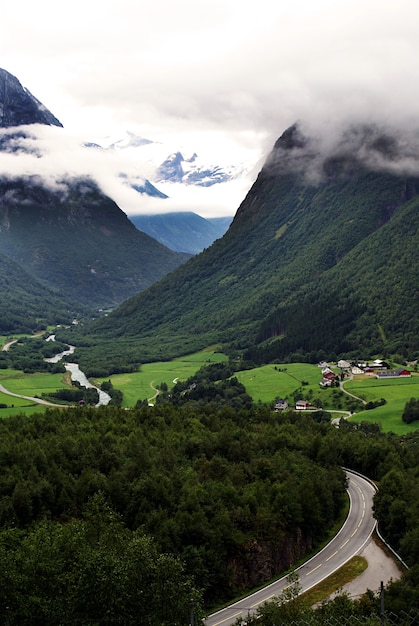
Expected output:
(211, 180)
(159, 162)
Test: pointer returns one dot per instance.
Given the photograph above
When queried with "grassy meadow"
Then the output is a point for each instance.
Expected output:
(396, 393)
(31, 385)
(142, 385)
(269, 382)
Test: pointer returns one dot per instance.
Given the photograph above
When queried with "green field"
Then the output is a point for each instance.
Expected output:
(265, 384)
(142, 385)
(269, 382)
(396, 392)
(32, 385)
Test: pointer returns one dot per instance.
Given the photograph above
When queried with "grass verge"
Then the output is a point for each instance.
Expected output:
(351, 570)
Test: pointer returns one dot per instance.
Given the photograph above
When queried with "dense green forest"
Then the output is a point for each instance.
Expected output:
(197, 485)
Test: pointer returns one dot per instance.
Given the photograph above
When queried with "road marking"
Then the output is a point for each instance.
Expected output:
(344, 544)
(227, 618)
(355, 531)
(313, 570)
(332, 555)
(252, 606)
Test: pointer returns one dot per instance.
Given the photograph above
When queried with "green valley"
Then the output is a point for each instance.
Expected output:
(265, 384)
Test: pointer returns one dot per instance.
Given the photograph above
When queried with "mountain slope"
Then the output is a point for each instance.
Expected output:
(26, 305)
(316, 260)
(19, 107)
(182, 232)
(77, 240)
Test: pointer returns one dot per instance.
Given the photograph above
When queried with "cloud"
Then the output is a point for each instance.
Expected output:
(343, 148)
(179, 67)
(225, 75)
(52, 154)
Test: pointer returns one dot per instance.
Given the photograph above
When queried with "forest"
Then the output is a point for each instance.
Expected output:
(181, 494)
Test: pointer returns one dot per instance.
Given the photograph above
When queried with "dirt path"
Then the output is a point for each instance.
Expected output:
(348, 393)
(8, 344)
(150, 400)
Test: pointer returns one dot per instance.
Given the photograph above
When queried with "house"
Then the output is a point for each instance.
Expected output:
(398, 373)
(356, 371)
(281, 405)
(302, 405)
(380, 365)
(325, 383)
(329, 375)
(344, 365)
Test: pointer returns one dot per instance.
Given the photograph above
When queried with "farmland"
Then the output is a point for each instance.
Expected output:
(265, 384)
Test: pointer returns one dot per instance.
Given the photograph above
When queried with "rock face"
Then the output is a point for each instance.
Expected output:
(260, 561)
(19, 107)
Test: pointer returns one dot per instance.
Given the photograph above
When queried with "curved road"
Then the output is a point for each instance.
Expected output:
(350, 540)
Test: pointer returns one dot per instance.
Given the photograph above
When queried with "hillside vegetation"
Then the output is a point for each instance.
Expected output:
(27, 305)
(237, 496)
(183, 232)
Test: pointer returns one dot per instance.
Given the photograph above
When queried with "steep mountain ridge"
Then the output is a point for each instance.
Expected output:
(63, 230)
(291, 277)
(19, 107)
(27, 305)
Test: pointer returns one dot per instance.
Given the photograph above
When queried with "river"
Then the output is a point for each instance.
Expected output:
(76, 374)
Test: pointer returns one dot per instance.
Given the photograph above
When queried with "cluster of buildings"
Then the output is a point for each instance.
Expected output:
(378, 368)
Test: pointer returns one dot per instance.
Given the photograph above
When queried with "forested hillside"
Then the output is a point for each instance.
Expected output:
(237, 496)
(318, 262)
(27, 305)
(78, 241)
(182, 231)
(60, 229)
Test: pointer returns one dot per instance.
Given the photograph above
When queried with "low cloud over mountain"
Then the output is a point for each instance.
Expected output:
(345, 147)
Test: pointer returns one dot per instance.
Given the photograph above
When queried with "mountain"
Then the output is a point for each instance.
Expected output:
(19, 107)
(190, 171)
(64, 230)
(320, 260)
(77, 240)
(184, 231)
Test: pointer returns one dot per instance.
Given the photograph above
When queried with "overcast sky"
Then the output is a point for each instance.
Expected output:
(226, 77)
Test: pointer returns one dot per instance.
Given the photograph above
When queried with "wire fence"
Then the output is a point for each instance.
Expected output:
(409, 618)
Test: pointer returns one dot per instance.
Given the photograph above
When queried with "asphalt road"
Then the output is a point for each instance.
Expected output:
(350, 540)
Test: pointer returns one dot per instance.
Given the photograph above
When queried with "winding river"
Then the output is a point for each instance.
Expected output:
(76, 374)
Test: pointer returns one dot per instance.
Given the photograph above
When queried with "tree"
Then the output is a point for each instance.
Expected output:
(411, 411)
(92, 570)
